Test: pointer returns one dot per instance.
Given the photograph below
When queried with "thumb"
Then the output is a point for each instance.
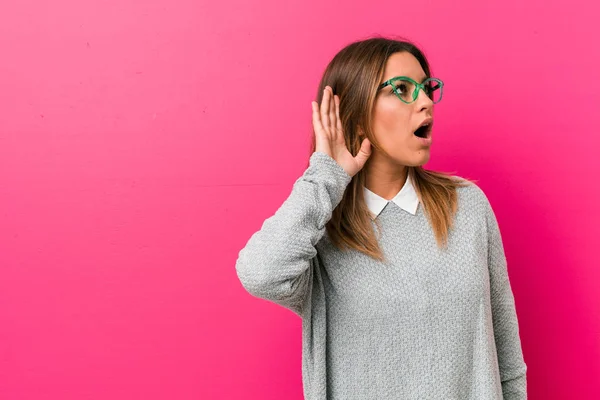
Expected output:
(364, 153)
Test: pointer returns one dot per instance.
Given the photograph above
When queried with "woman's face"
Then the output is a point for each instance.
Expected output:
(395, 122)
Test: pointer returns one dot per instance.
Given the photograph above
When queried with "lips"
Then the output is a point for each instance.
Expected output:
(424, 129)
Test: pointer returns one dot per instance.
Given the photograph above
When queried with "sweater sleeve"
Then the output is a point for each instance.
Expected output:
(506, 328)
(275, 264)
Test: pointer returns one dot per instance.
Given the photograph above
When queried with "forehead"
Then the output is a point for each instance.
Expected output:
(403, 64)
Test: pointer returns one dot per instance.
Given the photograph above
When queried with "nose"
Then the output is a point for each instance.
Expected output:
(423, 102)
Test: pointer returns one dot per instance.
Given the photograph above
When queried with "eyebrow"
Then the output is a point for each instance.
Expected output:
(421, 81)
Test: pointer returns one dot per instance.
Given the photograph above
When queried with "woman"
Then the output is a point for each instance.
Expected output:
(398, 273)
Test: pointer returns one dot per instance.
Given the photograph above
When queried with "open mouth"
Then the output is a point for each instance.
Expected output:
(423, 131)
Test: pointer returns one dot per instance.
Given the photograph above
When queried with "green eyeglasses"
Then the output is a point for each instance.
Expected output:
(407, 89)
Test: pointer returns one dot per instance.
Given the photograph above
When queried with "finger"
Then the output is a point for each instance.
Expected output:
(364, 153)
(332, 107)
(325, 109)
(316, 118)
(337, 114)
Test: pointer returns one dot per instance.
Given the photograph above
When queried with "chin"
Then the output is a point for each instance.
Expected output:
(415, 158)
(422, 158)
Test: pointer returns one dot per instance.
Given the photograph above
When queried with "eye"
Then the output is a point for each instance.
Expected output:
(431, 87)
(400, 87)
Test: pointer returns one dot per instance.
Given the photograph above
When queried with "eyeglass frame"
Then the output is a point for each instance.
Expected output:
(418, 87)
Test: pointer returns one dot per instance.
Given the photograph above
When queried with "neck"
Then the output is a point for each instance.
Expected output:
(383, 177)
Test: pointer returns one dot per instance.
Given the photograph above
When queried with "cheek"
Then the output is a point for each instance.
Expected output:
(391, 121)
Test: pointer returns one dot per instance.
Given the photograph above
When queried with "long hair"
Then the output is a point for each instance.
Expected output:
(354, 75)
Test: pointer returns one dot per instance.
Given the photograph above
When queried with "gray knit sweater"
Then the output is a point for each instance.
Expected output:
(426, 324)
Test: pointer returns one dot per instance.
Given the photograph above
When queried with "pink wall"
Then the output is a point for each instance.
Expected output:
(143, 142)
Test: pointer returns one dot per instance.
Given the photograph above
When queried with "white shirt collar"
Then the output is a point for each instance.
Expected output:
(406, 199)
